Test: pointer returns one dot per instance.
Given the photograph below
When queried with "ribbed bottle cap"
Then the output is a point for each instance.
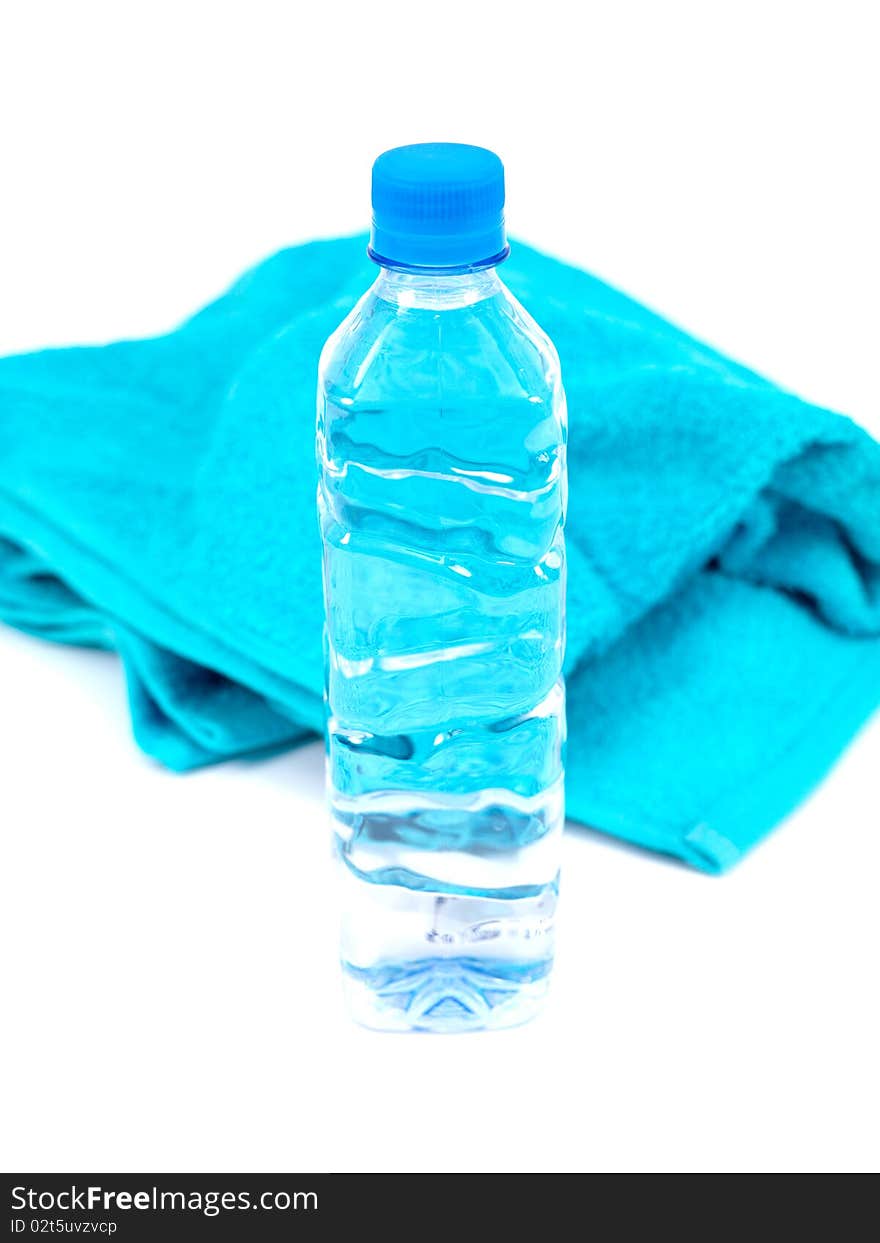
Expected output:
(438, 205)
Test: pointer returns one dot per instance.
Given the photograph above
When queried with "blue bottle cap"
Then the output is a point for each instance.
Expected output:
(438, 206)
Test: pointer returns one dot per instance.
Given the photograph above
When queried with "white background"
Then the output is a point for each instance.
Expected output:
(170, 981)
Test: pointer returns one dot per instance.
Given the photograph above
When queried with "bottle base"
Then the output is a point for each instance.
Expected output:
(446, 995)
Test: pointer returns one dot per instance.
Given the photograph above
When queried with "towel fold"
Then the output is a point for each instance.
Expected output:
(157, 497)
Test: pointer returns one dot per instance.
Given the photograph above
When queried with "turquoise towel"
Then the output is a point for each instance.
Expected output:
(157, 497)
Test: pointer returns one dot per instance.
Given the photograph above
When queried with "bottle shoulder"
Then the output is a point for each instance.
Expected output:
(466, 341)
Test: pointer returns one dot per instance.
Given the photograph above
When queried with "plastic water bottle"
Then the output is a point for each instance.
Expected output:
(441, 450)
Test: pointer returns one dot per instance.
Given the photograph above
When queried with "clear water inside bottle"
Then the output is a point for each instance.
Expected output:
(441, 448)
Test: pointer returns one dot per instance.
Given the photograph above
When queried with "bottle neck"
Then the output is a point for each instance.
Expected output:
(436, 290)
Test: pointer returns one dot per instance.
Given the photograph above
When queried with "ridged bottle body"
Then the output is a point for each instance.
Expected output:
(441, 453)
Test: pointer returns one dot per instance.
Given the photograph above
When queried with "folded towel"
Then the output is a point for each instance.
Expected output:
(157, 497)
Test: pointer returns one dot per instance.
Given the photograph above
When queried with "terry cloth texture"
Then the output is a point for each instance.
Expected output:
(158, 497)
